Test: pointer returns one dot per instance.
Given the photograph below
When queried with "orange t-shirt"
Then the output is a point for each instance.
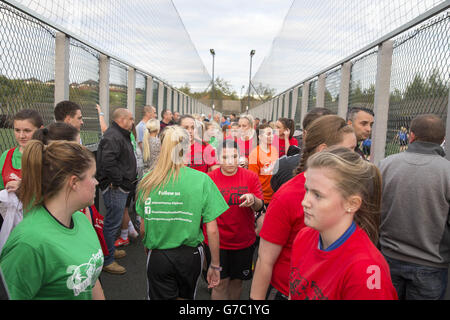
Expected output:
(262, 164)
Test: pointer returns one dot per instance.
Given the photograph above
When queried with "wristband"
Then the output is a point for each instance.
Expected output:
(101, 114)
(219, 268)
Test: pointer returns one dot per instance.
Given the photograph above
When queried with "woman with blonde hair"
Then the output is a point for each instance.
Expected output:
(172, 200)
(284, 217)
(54, 253)
(335, 256)
(151, 144)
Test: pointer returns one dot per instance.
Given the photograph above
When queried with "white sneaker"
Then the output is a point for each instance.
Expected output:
(132, 231)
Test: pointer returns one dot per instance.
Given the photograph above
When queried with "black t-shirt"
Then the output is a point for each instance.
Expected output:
(284, 168)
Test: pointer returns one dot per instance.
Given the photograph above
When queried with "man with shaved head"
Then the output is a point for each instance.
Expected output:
(149, 113)
(116, 174)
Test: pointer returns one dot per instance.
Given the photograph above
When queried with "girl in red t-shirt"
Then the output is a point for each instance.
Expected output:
(335, 256)
(284, 217)
(285, 139)
(26, 122)
(202, 156)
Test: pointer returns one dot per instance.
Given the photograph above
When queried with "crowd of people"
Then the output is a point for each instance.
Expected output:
(301, 213)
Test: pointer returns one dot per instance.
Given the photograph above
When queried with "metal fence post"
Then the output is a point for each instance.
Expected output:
(160, 106)
(294, 102)
(320, 99)
(305, 98)
(381, 101)
(169, 105)
(344, 90)
(149, 91)
(62, 46)
(131, 94)
(104, 86)
(447, 132)
(175, 100)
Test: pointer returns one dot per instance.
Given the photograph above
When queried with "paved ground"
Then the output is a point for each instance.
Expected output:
(133, 285)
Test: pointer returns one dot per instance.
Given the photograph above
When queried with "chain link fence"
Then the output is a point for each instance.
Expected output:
(312, 100)
(118, 90)
(84, 76)
(140, 98)
(298, 108)
(316, 34)
(147, 34)
(362, 81)
(419, 74)
(27, 63)
(332, 88)
(419, 78)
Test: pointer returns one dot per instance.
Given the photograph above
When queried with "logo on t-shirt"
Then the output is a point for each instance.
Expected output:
(303, 289)
(233, 194)
(84, 276)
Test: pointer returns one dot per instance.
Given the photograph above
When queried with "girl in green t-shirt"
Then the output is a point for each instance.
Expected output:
(54, 253)
(172, 200)
(26, 122)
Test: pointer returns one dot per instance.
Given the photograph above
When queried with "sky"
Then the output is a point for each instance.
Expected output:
(233, 28)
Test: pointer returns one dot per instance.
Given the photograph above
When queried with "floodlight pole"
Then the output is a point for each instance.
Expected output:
(252, 53)
(213, 53)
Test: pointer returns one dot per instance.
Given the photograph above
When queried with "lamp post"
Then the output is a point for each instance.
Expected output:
(252, 53)
(213, 53)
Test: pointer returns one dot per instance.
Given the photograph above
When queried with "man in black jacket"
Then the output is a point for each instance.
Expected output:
(116, 173)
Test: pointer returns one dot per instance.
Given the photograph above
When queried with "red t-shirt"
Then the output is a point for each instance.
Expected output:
(201, 156)
(283, 220)
(281, 145)
(246, 147)
(236, 225)
(356, 270)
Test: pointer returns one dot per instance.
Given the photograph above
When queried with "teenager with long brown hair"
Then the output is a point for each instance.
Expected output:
(172, 200)
(284, 217)
(54, 252)
(335, 256)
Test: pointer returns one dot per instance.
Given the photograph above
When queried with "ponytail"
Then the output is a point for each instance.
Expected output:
(368, 215)
(46, 168)
(30, 190)
(146, 145)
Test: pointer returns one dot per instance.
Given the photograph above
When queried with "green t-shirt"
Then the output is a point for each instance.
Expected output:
(172, 215)
(44, 260)
(133, 141)
(16, 163)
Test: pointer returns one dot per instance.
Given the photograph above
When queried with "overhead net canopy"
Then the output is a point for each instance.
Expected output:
(318, 34)
(147, 34)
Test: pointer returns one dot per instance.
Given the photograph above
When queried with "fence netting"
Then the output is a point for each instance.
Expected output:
(27, 64)
(118, 89)
(148, 34)
(419, 78)
(84, 77)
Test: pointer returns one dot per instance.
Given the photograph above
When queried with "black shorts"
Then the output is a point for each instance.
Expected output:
(236, 264)
(173, 273)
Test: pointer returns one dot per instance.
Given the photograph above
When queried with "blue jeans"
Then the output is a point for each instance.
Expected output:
(417, 282)
(115, 201)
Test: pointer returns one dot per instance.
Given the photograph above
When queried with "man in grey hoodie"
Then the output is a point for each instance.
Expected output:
(415, 224)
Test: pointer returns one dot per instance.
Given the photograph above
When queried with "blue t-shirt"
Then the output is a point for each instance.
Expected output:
(140, 131)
